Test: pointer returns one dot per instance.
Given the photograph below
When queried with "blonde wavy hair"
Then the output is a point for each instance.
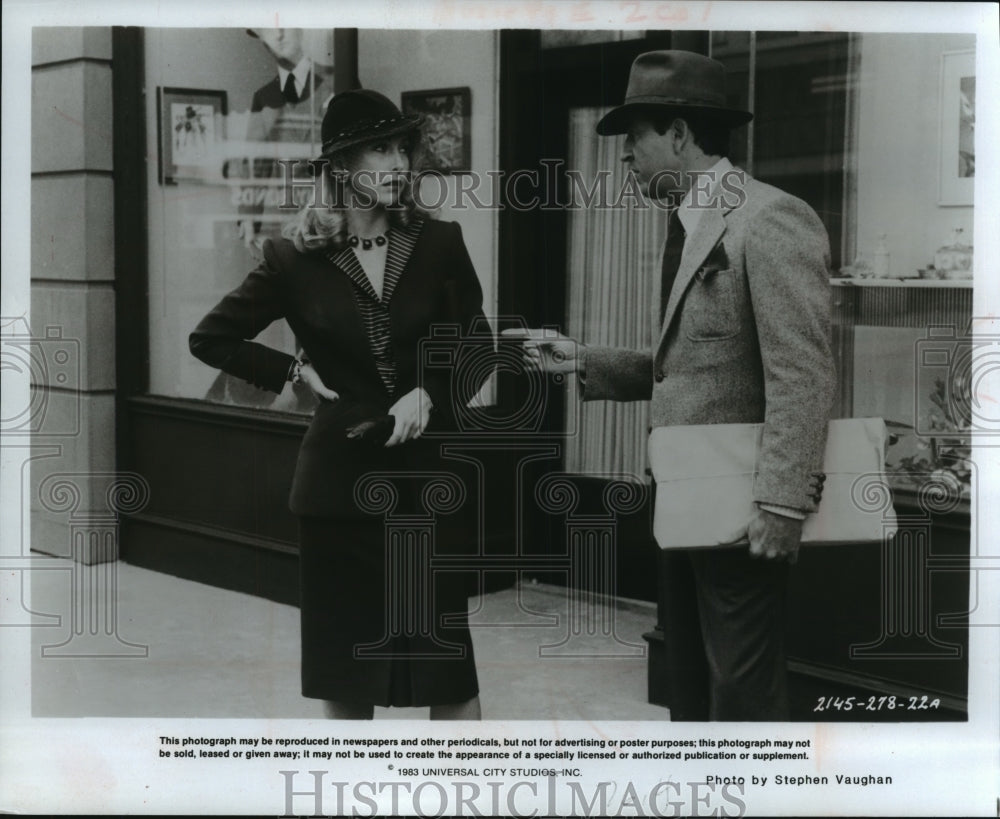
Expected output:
(318, 226)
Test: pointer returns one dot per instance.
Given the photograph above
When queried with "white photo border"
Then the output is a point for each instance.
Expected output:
(110, 765)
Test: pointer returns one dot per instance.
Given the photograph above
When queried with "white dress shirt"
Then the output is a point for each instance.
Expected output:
(301, 73)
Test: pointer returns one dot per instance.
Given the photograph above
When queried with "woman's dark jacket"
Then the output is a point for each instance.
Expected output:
(440, 341)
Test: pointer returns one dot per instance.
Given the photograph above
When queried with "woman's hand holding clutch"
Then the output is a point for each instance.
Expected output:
(375, 430)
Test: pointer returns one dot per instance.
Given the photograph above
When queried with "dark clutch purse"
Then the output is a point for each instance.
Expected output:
(375, 431)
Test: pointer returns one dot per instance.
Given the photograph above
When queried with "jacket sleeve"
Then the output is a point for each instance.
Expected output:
(787, 263)
(222, 338)
(615, 374)
(475, 345)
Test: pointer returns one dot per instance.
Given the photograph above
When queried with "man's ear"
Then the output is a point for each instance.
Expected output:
(679, 132)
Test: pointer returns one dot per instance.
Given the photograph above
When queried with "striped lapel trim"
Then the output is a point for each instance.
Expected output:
(374, 315)
(401, 244)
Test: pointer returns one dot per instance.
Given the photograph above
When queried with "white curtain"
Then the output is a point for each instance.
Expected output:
(613, 256)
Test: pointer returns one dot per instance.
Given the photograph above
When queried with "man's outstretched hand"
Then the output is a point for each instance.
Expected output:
(547, 350)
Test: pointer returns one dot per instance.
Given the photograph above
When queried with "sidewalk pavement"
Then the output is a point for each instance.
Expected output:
(214, 653)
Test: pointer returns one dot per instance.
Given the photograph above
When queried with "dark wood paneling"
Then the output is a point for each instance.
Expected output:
(214, 557)
(219, 479)
(221, 467)
(859, 625)
(854, 616)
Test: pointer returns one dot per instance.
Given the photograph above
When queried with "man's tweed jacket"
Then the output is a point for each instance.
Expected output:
(745, 338)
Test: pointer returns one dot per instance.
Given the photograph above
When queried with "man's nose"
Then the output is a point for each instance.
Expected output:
(627, 155)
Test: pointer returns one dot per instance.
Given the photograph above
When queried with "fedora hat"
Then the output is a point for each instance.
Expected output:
(353, 117)
(680, 80)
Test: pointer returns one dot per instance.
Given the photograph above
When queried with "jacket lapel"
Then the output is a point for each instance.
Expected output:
(348, 276)
(710, 228)
(348, 262)
(401, 244)
(654, 307)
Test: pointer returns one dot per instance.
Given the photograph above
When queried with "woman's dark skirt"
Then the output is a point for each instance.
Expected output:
(380, 624)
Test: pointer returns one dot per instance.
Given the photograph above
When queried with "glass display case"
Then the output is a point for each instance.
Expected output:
(904, 354)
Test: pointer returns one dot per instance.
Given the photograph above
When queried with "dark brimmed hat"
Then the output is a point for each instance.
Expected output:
(680, 80)
(353, 117)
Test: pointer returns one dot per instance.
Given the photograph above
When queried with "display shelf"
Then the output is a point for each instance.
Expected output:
(930, 284)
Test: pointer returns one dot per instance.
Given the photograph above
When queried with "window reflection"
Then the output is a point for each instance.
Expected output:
(207, 229)
(732, 49)
(799, 84)
(561, 38)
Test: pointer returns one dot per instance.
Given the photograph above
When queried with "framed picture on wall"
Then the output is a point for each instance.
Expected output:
(958, 127)
(191, 125)
(447, 126)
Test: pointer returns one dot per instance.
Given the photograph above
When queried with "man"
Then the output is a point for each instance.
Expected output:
(285, 114)
(745, 337)
(296, 81)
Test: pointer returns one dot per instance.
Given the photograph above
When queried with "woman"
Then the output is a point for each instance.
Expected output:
(361, 279)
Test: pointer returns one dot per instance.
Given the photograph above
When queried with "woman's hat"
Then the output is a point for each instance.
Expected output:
(353, 117)
(681, 80)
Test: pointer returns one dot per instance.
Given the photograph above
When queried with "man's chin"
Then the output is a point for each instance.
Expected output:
(642, 186)
(663, 195)
(669, 197)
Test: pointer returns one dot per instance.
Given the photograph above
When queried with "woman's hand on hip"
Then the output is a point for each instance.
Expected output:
(412, 412)
(311, 379)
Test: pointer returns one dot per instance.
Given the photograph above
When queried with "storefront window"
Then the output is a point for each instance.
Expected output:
(796, 84)
(224, 108)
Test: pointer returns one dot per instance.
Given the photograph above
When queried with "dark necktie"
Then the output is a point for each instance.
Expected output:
(290, 94)
(671, 258)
